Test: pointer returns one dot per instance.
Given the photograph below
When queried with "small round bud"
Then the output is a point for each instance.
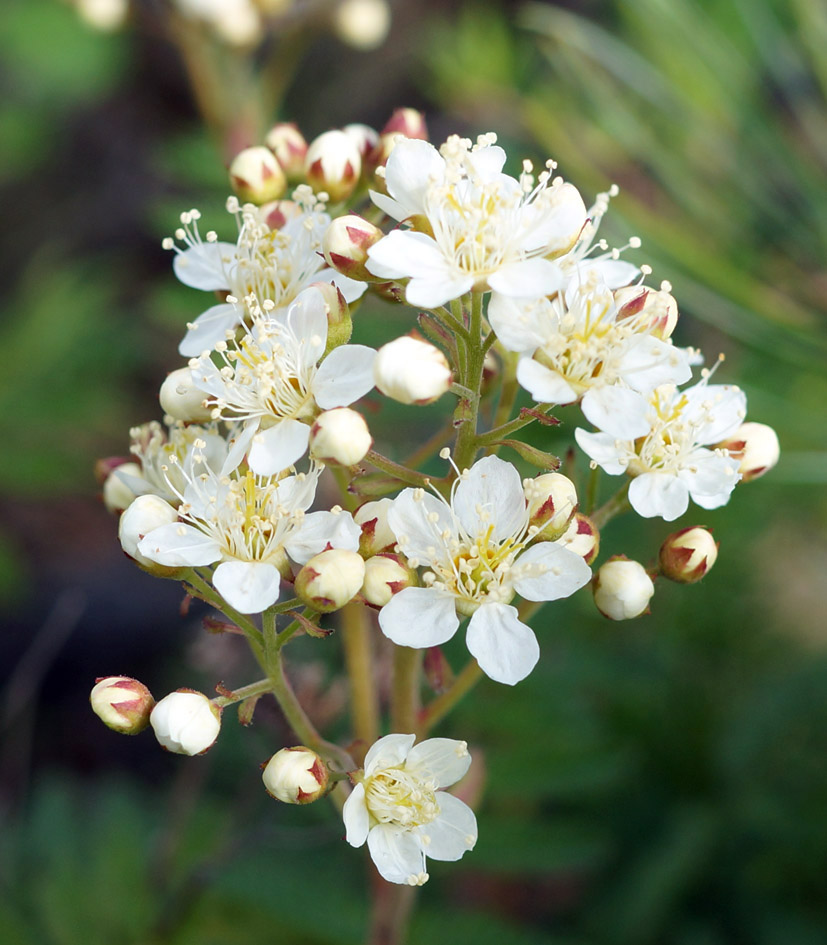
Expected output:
(256, 176)
(278, 212)
(552, 501)
(122, 703)
(363, 24)
(186, 722)
(372, 518)
(339, 321)
(364, 137)
(340, 436)
(296, 776)
(106, 466)
(687, 555)
(345, 245)
(290, 148)
(330, 579)
(118, 494)
(182, 400)
(622, 589)
(333, 165)
(145, 514)
(408, 122)
(581, 537)
(411, 371)
(386, 575)
(652, 307)
(756, 447)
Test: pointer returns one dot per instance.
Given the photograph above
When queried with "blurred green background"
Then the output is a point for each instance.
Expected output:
(657, 781)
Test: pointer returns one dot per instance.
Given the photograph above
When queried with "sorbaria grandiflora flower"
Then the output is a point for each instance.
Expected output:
(398, 806)
(186, 722)
(272, 380)
(478, 553)
(273, 265)
(672, 461)
(248, 524)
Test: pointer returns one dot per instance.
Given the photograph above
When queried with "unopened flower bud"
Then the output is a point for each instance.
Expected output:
(411, 371)
(256, 176)
(552, 501)
(581, 537)
(756, 447)
(364, 137)
(687, 555)
(339, 321)
(122, 703)
(104, 15)
(346, 243)
(182, 400)
(105, 466)
(386, 575)
(654, 308)
(118, 492)
(278, 212)
(290, 148)
(372, 518)
(186, 722)
(330, 579)
(388, 291)
(622, 589)
(408, 122)
(333, 165)
(363, 24)
(340, 436)
(296, 776)
(146, 513)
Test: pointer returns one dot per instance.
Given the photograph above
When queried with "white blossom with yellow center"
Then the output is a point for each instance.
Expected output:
(398, 806)
(477, 552)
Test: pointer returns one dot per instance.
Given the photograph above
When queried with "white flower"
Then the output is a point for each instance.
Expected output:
(272, 265)
(477, 551)
(671, 462)
(577, 347)
(272, 381)
(398, 807)
(483, 229)
(186, 722)
(249, 524)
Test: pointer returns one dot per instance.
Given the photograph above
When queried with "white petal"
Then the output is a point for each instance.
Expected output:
(604, 449)
(659, 495)
(249, 586)
(453, 833)
(274, 449)
(239, 443)
(355, 815)
(419, 617)
(306, 319)
(528, 278)
(388, 752)
(618, 411)
(351, 289)
(649, 362)
(209, 328)
(516, 322)
(487, 162)
(708, 473)
(412, 166)
(544, 385)
(491, 494)
(613, 273)
(206, 266)
(722, 406)
(403, 253)
(505, 648)
(443, 760)
(320, 529)
(418, 536)
(437, 288)
(396, 852)
(180, 546)
(345, 375)
(561, 572)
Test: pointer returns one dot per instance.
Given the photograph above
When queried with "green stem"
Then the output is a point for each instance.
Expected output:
(402, 473)
(407, 664)
(356, 638)
(465, 681)
(468, 409)
(618, 504)
(591, 490)
(206, 593)
(260, 688)
(506, 429)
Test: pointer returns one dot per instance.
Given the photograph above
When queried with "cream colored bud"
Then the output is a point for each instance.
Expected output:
(363, 24)
(687, 555)
(345, 245)
(145, 514)
(408, 122)
(333, 165)
(278, 212)
(186, 722)
(290, 148)
(330, 579)
(104, 15)
(411, 371)
(622, 589)
(182, 400)
(581, 537)
(118, 494)
(122, 703)
(386, 575)
(340, 436)
(552, 501)
(364, 137)
(372, 518)
(256, 176)
(654, 308)
(756, 447)
(296, 776)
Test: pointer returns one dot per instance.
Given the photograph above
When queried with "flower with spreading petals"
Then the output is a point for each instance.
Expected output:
(272, 381)
(398, 807)
(479, 553)
(274, 265)
(672, 461)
